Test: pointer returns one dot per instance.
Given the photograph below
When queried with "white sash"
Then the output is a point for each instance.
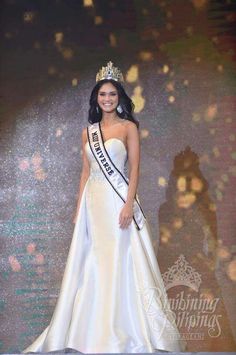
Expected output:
(117, 180)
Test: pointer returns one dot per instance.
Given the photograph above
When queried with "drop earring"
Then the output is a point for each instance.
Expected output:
(97, 109)
(119, 108)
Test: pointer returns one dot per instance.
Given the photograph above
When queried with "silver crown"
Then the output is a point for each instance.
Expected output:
(109, 72)
(181, 273)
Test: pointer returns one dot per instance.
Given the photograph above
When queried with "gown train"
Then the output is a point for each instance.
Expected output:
(112, 297)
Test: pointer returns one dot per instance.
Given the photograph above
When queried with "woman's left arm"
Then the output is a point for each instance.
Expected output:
(133, 144)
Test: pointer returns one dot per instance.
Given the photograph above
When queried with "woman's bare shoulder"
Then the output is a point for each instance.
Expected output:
(84, 131)
(131, 126)
(84, 134)
(130, 123)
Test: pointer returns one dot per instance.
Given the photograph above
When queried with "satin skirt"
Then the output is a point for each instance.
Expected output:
(112, 297)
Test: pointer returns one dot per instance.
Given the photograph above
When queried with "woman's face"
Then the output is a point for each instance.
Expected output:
(108, 97)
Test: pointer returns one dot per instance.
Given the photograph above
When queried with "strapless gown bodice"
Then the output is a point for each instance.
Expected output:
(117, 152)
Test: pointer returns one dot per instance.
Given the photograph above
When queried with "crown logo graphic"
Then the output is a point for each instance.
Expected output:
(109, 72)
(182, 274)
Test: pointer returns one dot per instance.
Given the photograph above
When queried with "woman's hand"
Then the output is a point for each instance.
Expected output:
(126, 215)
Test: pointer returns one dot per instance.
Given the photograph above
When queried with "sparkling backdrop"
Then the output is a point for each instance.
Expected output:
(179, 67)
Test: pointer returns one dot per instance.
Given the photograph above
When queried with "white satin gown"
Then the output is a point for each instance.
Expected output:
(112, 297)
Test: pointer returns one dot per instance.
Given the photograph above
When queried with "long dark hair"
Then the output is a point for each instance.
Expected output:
(123, 99)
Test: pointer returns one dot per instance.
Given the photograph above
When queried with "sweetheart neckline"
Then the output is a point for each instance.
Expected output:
(115, 139)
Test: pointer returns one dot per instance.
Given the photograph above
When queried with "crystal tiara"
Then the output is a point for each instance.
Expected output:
(109, 72)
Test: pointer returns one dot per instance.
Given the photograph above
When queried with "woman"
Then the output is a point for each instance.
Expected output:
(112, 297)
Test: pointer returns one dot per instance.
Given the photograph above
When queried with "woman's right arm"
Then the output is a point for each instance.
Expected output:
(85, 172)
